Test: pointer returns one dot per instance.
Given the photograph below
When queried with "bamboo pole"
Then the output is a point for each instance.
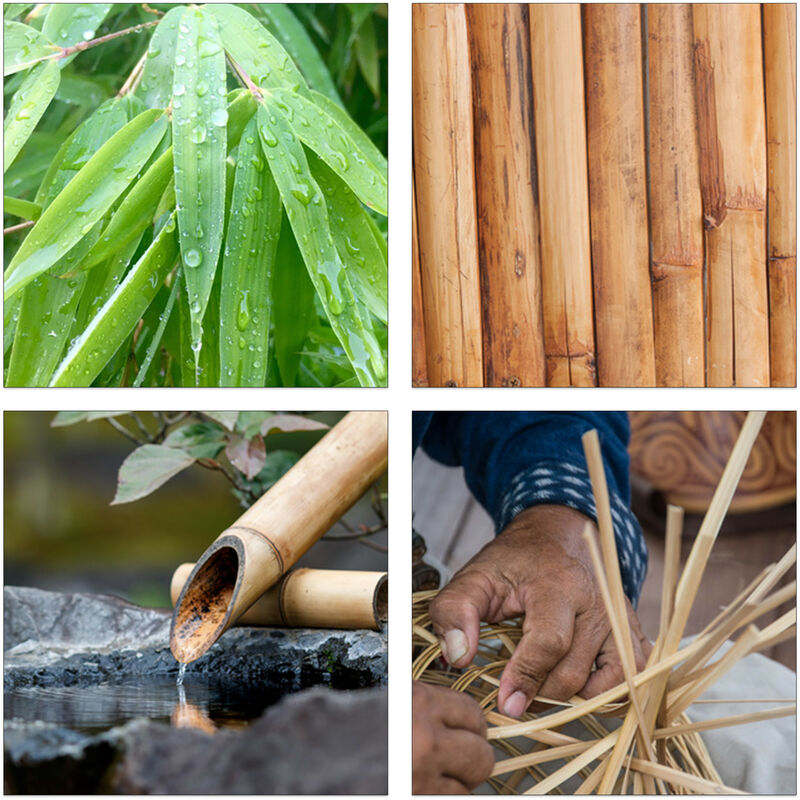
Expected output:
(252, 554)
(506, 190)
(676, 230)
(419, 367)
(732, 127)
(560, 126)
(445, 186)
(618, 195)
(780, 57)
(313, 598)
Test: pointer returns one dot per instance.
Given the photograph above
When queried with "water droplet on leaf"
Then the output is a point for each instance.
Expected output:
(193, 258)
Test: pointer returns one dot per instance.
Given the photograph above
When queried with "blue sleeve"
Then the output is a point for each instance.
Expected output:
(517, 459)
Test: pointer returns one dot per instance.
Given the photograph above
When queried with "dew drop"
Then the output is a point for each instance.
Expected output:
(219, 117)
(179, 90)
(269, 138)
(243, 317)
(197, 344)
(250, 140)
(154, 51)
(201, 88)
(295, 164)
(208, 48)
(198, 134)
(25, 113)
(198, 231)
(180, 59)
(245, 211)
(87, 34)
(193, 258)
(302, 192)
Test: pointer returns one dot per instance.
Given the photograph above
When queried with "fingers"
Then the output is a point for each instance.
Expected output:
(547, 637)
(458, 710)
(456, 613)
(470, 758)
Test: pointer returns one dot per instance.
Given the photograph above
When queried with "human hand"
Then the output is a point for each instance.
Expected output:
(450, 751)
(538, 566)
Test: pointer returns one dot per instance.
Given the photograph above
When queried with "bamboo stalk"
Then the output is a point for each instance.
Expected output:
(313, 598)
(560, 127)
(445, 187)
(676, 230)
(728, 65)
(506, 190)
(780, 57)
(618, 195)
(251, 555)
(419, 367)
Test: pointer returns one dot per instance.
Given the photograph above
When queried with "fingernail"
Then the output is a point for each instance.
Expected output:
(455, 645)
(516, 705)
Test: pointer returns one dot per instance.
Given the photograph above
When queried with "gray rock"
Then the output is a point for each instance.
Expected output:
(315, 742)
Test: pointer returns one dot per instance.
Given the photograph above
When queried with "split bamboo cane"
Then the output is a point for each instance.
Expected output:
(560, 126)
(506, 187)
(676, 231)
(419, 367)
(445, 187)
(313, 598)
(730, 94)
(780, 57)
(251, 555)
(618, 194)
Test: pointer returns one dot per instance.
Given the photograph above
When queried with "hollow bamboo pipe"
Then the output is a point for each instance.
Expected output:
(252, 554)
(506, 193)
(313, 598)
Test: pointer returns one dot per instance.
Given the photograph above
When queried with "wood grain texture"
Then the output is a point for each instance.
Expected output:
(618, 195)
(780, 81)
(419, 366)
(560, 127)
(445, 186)
(676, 230)
(505, 180)
(732, 126)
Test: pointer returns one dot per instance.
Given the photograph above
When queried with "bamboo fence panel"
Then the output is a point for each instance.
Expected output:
(507, 209)
(560, 127)
(615, 234)
(445, 187)
(780, 57)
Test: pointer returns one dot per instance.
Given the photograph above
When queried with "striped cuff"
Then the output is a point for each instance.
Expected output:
(564, 483)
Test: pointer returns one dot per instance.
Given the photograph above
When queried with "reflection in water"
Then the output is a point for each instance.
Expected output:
(91, 709)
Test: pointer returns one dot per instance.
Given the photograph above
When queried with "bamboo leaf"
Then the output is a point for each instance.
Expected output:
(86, 199)
(355, 240)
(11, 10)
(255, 49)
(323, 134)
(158, 335)
(147, 468)
(23, 209)
(367, 56)
(67, 24)
(199, 135)
(289, 31)
(308, 217)
(292, 305)
(81, 91)
(247, 264)
(118, 317)
(155, 88)
(23, 44)
(27, 106)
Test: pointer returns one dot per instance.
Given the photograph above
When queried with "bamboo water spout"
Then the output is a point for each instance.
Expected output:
(313, 598)
(253, 553)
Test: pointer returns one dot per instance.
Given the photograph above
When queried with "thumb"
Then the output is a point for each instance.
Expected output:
(456, 613)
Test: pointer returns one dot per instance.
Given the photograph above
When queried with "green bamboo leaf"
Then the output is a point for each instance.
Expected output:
(200, 368)
(23, 209)
(289, 31)
(147, 468)
(23, 44)
(247, 265)
(135, 212)
(292, 305)
(359, 14)
(79, 90)
(86, 199)
(320, 132)
(10, 318)
(27, 106)
(118, 317)
(255, 49)
(11, 10)
(155, 87)
(155, 342)
(367, 56)
(308, 217)
(26, 173)
(67, 24)
(355, 241)
(199, 134)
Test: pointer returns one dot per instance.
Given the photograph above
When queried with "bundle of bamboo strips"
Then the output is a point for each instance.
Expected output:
(566, 162)
(657, 748)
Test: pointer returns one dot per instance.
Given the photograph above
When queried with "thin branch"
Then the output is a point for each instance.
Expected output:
(245, 78)
(141, 426)
(20, 227)
(132, 81)
(120, 428)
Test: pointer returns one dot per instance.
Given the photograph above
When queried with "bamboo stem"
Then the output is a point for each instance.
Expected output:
(780, 58)
(445, 187)
(560, 128)
(728, 65)
(506, 190)
(419, 367)
(676, 230)
(618, 194)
